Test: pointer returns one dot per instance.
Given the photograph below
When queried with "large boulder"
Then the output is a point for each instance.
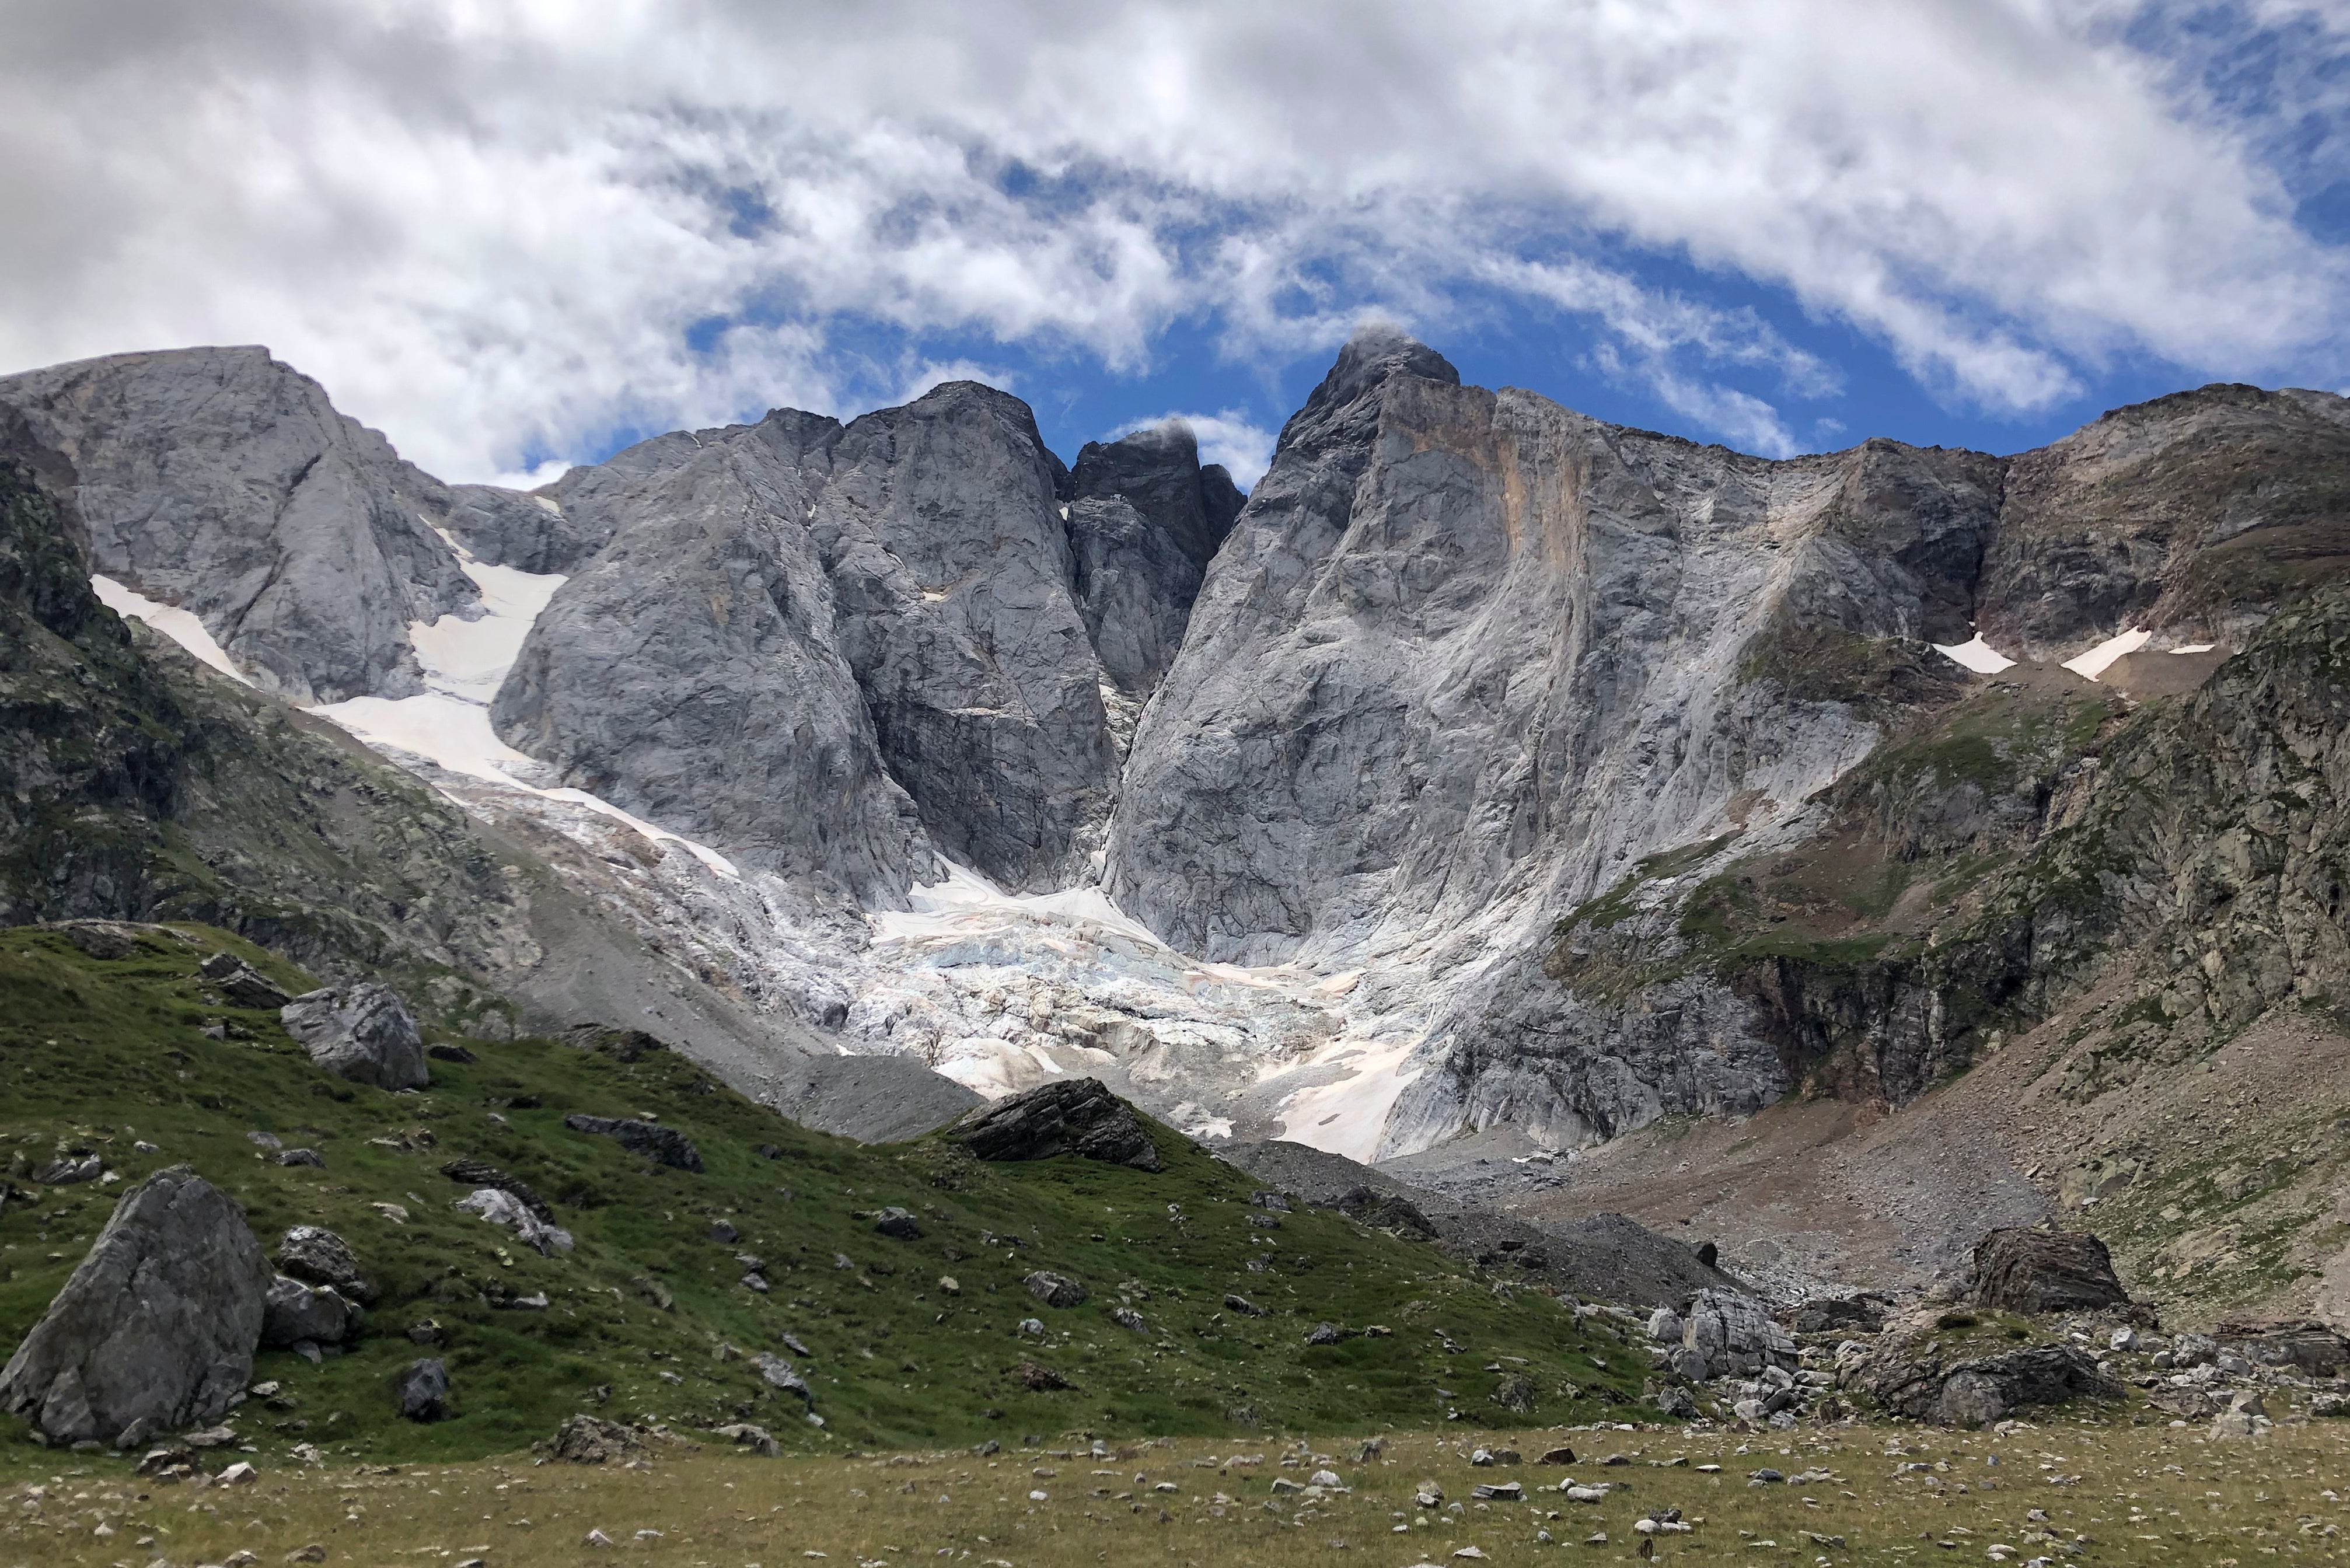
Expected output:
(1913, 1377)
(156, 1329)
(361, 1032)
(662, 1145)
(1734, 1333)
(2045, 1271)
(1071, 1115)
(294, 1311)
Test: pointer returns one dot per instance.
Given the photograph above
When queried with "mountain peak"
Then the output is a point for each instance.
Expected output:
(1380, 349)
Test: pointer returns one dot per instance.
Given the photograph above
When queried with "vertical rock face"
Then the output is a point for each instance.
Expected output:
(941, 529)
(156, 1329)
(1465, 645)
(689, 672)
(222, 482)
(825, 648)
(1145, 519)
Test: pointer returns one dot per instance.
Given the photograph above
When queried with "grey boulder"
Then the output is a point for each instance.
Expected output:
(1910, 1377)
(362, 1033)
(1735, 1333)
(239, 983)
(1054, 1290)
(1069, 1115)
(156, 1329)
(294, 1312)
(422, 1390)
(317, 1256)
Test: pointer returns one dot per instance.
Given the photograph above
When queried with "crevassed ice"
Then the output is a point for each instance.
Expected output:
(181, 626)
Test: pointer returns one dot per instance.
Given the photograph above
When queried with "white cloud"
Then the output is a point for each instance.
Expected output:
(489, 225)
(1227, 436)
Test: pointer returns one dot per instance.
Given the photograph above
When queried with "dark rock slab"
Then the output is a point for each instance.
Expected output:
(1069, 1115)
(662, 1145)
(155, 1330)
(420, 1392)
(1909, 1376)
(317, 1256)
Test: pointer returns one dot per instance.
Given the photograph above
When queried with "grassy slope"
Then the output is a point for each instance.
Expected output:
(102, 1054)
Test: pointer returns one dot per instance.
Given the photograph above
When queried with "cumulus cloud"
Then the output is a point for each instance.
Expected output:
(505, 230)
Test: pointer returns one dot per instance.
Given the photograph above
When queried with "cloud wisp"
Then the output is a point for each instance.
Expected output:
(507, 231)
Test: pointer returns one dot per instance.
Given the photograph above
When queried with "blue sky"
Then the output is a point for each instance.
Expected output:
(514, 233)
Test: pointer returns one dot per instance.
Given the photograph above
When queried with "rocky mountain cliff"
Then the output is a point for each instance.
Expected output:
(1489, 772)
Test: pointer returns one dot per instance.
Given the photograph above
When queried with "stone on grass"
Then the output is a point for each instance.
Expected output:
(239, 983)
(361, 1032)
(155, 1329)
(317, 1256)
(294, 1312)
(662, 1145)
(755, 1438)
(502, 1207)
(898, 1222)
(1054, 1290)
(422, 1392)
(780, 1373)
(480, 1173)
(1039, 1378)
(586, 1439)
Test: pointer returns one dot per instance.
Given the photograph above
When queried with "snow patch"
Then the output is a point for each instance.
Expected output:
(2196, 648)
(181, 626)
(2094, 663)
(1976, 655)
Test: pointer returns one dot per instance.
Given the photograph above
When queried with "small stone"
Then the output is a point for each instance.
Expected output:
(597, 1538)
(723, 1233)
(1324, 1333)
(949, 1285)
(309, 1157)
(898, 1222)
(236, 1474)
(1054, 1290)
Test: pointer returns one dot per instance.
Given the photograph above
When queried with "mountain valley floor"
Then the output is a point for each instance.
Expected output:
(2066, 1489)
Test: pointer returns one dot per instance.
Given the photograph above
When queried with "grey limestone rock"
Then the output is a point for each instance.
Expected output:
(690, 671)
(1069, 1115)
(362, 1033)
(1144, 521)
(1735, 1333)
(239, 983)
(294, 1312)
(420, 1392)
(1054, 1290)
(318, 1256)
(1908, 1376)
(156, 1329)
(224, 482)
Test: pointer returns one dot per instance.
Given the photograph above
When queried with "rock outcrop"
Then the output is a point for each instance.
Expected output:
(224, 482)
(362, 1033)
(1907, 1377)
(1144, 521)
(662, 1145)
(2043, 1271)
(156, 1329)
(1072, 1115)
